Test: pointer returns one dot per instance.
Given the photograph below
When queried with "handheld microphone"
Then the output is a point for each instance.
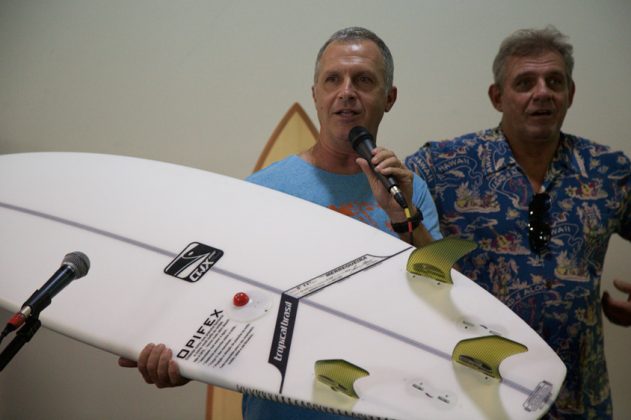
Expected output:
(363, 143)
(74, 265)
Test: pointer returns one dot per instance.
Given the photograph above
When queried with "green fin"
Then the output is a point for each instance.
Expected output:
(339, 374)
(436, 259)
(485, 354)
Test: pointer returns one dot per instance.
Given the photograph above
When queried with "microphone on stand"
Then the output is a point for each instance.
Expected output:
(74, 266)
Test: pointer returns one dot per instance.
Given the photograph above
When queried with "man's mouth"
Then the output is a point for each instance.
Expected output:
(541, 113)
(346, 113)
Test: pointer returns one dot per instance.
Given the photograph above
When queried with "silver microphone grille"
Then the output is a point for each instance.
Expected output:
(79, 262)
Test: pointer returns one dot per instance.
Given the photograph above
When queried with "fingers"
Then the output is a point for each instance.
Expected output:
(607, 307)
(157, 367)
(617, 311)
(175, 379)
(623, 286)
(160, 374)
(366, 169)
(386, 163)
(375, 184)
(143, 362)
(384, 159)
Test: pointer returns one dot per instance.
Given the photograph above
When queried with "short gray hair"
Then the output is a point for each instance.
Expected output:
(527, 42)
(355, 33)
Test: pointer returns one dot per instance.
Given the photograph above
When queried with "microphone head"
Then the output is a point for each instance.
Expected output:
(79, 262)
(357, 135)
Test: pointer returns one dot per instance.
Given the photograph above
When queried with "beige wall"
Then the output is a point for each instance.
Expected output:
(203, 83)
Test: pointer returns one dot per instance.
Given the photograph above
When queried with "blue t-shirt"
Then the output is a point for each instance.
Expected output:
(482, 194)
(347, 194)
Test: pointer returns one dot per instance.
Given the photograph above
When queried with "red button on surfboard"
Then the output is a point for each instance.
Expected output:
(240, 299)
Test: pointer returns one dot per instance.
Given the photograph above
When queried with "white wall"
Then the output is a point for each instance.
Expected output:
(204, 83)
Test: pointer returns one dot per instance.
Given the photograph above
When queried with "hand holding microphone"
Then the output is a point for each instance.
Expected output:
(364, 143)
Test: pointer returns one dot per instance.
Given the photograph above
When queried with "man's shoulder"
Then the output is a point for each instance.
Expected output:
(462, 150)
(595, 153)
(276, 171)
(463, 145)
(467, 141)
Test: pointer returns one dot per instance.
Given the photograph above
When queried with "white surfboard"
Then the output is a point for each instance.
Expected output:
(339, 316)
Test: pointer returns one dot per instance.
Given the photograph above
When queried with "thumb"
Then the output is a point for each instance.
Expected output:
(128, 363)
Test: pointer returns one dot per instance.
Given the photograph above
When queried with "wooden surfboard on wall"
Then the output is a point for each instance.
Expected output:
(293, 134)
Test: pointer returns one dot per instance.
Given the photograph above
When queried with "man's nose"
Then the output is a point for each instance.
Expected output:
(541, 89)
(347, 89)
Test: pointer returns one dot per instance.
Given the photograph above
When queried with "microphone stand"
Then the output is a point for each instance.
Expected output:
(22, 337)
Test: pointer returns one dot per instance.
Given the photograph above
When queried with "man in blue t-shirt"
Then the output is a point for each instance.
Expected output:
(353, 86)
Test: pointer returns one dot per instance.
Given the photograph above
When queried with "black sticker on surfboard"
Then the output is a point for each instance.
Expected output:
(283, 332)
(193, 262)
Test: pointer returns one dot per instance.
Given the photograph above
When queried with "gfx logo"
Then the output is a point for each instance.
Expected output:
(193, 262)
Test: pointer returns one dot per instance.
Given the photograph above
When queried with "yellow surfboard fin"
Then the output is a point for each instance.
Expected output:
(436, 259)
(339, 374)
(485, 354)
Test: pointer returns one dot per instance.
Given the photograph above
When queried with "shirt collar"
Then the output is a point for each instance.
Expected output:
(497, 155)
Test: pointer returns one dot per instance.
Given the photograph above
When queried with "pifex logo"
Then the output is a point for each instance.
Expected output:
(193, 262)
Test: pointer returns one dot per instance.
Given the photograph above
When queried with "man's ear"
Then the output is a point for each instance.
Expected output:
(571, 94)
(313, 94)
(391, 98)
(495, 95)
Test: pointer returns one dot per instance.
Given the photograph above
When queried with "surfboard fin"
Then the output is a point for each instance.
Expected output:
(436, 259)
(339, 374)
(485, 354)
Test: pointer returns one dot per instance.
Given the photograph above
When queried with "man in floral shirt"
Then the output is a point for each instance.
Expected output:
(542, 205)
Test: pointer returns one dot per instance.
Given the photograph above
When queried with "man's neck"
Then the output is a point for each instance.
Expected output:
(534, 158)
(331, 160)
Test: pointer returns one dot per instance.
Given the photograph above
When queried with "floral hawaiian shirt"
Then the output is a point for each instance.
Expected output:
(482, 194)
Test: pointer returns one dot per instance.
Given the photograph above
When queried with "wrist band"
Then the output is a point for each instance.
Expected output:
(403, 226)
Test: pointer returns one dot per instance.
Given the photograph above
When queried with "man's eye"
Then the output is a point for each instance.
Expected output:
(523, 84)
(556, 82)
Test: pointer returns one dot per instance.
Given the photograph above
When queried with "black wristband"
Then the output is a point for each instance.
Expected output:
(403, 226)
